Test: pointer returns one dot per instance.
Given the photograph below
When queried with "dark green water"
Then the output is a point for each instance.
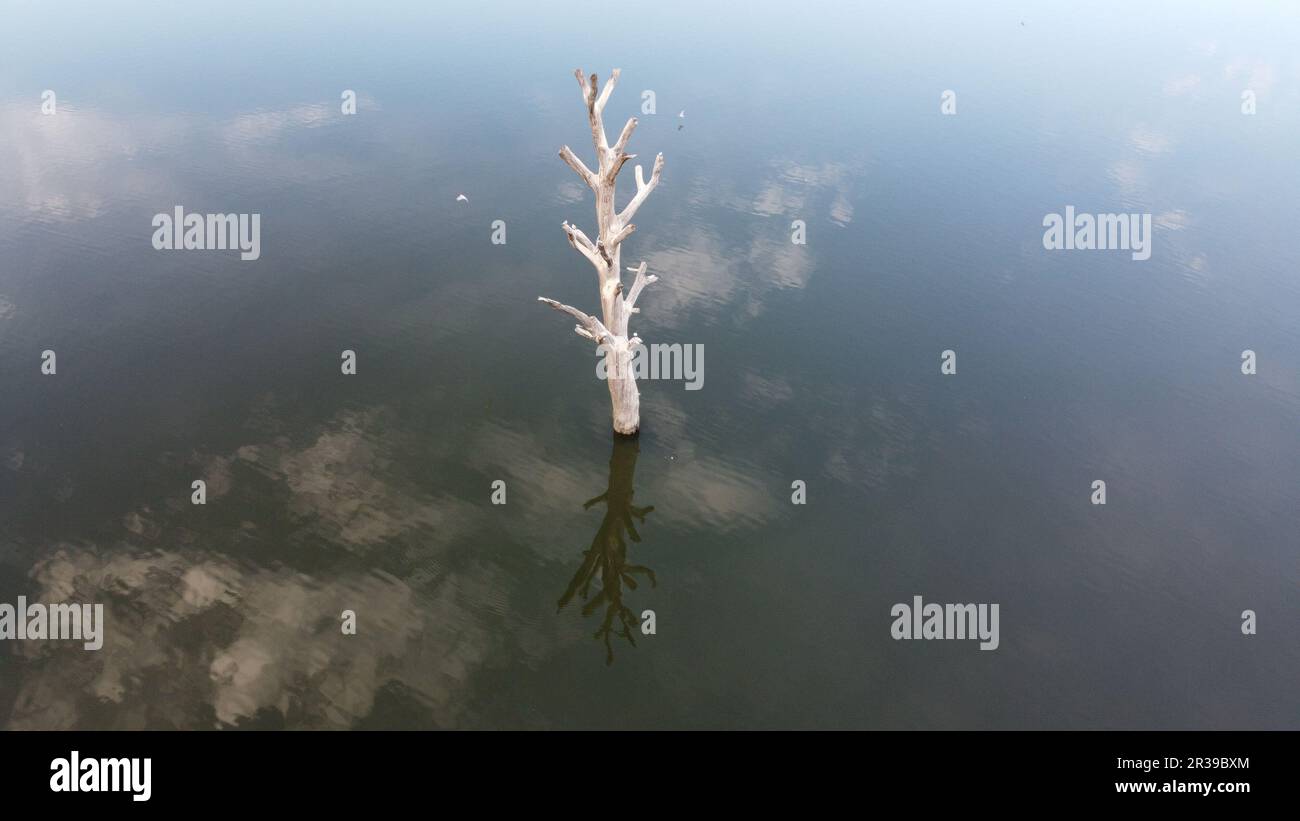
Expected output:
(924, 233)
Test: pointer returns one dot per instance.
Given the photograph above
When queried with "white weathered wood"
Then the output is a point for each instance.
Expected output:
(588, 326)
(612, 228)
(579, 166)
(643, 188)
(641, 280)
(579, 241)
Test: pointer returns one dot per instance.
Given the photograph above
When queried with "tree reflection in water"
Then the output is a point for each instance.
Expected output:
(607, 557)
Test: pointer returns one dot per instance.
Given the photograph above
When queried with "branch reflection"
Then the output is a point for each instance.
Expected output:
(607, 558)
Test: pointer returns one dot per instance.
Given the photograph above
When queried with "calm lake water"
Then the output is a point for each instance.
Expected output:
(372, 492)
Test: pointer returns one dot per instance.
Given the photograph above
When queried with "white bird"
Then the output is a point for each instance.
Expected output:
(462, 198)
(682, 114)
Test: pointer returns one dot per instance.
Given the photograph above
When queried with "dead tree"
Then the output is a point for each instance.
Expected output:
(610, 332)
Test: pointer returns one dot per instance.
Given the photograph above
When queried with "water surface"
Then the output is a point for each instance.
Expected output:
(372, 492)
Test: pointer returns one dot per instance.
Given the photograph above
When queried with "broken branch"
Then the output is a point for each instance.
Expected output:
(643, 189)
(588, 326)
(625, 136)
(584, 246)
(577, 165)
(638, 284)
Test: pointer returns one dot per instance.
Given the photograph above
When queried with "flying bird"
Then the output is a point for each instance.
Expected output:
(462, 198)
(682, 114)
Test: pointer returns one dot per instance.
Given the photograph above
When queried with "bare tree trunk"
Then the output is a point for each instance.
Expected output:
(610, 331)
